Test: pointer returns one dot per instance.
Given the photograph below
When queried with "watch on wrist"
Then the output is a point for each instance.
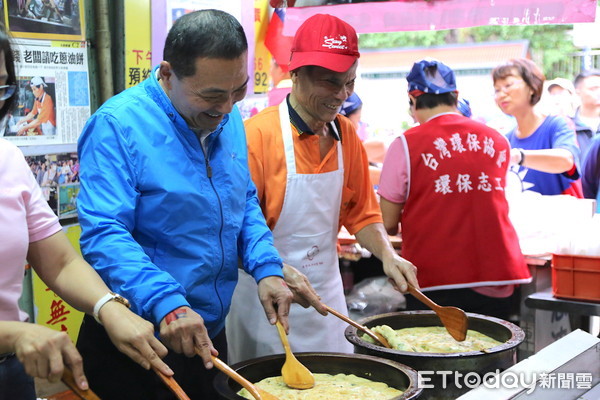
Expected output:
(522, 156)
(105, 299)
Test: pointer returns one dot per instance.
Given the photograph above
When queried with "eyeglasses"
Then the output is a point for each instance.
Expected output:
(6, 91)
(509, 86)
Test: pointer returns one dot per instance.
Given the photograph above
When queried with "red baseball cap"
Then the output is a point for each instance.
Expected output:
(325, 41)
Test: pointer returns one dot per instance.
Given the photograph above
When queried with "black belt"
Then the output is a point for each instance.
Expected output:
(6, 356)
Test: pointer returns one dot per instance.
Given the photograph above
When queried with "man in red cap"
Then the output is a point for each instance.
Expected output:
(312, 177)
(444, 180)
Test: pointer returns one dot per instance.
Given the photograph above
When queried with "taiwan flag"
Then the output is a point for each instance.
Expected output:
(279, 46)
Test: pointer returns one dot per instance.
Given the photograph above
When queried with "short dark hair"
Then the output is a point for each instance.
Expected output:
(9, 59)
(531, 74)
(203, 34)
(586, 73)
(429, 100)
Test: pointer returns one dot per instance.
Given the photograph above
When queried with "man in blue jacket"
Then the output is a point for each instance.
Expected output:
(167, 207)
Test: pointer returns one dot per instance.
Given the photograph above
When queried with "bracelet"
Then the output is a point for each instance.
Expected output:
(522, 157)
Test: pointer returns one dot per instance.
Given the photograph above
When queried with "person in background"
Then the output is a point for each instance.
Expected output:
(75, 169)
(30, 231)
(42, 117)
(444, 181)
(281, 83)
(590, 175)
(543, 147)
(167, 207)
(42, 174)
(375, 149)
(352, 109)
(560, 97)
(587, 116)
(311, 174)
(464, 107)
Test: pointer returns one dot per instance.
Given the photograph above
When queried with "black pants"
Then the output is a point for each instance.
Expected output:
(114, 376)
(14, 382)
(468, 300)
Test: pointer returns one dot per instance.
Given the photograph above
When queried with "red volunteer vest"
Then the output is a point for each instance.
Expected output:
(455, 225)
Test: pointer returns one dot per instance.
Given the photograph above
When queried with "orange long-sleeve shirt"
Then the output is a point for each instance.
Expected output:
(45, 110)
(266, 158)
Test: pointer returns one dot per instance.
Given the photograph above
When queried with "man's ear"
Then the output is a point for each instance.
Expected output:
(165, 73)
(294, 75)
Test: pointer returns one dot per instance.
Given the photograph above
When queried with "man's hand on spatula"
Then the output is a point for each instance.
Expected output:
(276, 299)
(183, 331)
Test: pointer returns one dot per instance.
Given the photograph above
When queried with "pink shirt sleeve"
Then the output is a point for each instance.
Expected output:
(41, 220)
(25, 217)
(394, 181)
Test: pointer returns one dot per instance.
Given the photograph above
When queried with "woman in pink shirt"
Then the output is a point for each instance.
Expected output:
(30, 231)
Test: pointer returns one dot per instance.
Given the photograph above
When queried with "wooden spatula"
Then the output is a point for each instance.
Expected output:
(294, 373)
(69, 380)
(255, 391)
(172, 385)
(454, 319)
(374, 335)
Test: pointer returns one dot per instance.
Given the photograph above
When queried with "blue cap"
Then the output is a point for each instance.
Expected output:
(351, 104)
(464, 107)
(431, 76)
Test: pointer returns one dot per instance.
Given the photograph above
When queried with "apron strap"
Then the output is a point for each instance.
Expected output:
(339, 146)
(288, 142)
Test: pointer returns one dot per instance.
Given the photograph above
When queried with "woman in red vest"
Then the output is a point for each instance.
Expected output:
(444, 181)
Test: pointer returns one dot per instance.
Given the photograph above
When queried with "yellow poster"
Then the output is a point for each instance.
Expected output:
(52, 311)
(138, 49)
(262, 57)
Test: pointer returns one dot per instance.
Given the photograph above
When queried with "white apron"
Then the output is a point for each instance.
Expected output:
(306, 237)
(48, 129)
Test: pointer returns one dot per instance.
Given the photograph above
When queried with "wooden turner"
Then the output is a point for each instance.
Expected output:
(172, 385)
(294, 373)
(378, 337)
(69, 380)
(454, 319)
(255, 391)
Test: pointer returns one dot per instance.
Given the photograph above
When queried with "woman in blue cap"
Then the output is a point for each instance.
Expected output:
(444, 181)
(352, 109)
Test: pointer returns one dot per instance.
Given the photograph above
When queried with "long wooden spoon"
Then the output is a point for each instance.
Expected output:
(255, 391)
(69, 380)
(454, 319)
(172, 385)
(374, 335)
(294, 373)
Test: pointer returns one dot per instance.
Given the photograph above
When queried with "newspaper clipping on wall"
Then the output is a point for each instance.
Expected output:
(53, 102)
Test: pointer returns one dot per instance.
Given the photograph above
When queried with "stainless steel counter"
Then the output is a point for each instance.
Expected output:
(544, 300)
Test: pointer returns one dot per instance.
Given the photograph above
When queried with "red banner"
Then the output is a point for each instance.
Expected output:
(422, 15)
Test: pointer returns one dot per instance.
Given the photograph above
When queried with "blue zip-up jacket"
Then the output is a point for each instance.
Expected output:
(162, 223)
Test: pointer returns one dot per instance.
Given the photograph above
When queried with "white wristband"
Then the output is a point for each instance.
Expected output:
(100, 303)
(105, 299)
